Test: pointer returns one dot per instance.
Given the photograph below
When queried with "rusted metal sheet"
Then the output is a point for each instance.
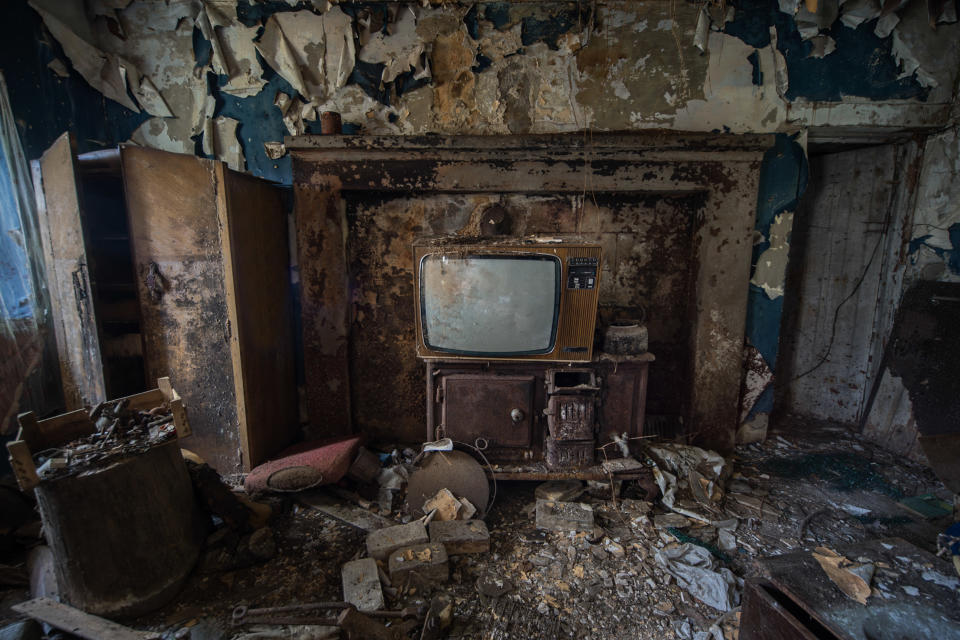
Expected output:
(621, 411)
(624, 401)
(541, 473)
(690, 205)
(569, 453)
(571, 417)
(497, 408)
(454, 470)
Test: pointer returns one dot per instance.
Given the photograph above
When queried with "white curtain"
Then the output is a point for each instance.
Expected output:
(28, 370)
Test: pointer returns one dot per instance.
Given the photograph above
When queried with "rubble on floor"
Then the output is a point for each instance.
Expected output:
(563, 559)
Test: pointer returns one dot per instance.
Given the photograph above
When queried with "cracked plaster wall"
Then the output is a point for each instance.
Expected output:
(229, 79)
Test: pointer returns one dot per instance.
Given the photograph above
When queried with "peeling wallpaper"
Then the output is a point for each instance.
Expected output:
(783, 180)
(230, 78)
(934, 249)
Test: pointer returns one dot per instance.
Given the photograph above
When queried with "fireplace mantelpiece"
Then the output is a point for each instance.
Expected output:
(719, 172)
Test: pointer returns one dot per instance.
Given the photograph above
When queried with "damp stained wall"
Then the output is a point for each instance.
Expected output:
(648, 268)
(210, 77)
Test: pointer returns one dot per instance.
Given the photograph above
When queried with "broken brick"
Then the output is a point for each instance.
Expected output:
(445, 503)
(564, 516)
(361, 584)
(421, 564)
(461, 536)
(383, 542)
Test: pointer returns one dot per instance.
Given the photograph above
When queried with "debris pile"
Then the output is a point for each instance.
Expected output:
(560, 559)
(119, 431)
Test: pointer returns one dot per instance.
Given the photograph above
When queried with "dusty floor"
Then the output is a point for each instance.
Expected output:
(807, 485)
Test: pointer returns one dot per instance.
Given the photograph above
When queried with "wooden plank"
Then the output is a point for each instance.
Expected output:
(176, 239)
(78, 623)
(176, 407)
(345, 512)
(257, 281)
(53, 432)
(71, 292)
(146, 400)
(64, 428)
(22, 464)
(766, 619)
(30, 430)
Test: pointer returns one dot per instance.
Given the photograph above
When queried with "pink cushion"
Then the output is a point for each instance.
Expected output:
(330, 457)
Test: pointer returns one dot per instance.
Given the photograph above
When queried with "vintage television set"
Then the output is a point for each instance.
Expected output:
(496, 301)
(506, 328)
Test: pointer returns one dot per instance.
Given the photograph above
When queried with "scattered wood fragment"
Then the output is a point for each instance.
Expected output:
(344, 512)
(78, 623)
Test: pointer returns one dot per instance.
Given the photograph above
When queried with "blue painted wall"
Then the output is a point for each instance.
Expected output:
(783, 179)
(862, 64)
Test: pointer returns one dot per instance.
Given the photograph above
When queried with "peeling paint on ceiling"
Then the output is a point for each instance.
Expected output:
(497, 68)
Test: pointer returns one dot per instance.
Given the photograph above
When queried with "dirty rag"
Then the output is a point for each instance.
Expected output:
(684, 470)
(696, 572)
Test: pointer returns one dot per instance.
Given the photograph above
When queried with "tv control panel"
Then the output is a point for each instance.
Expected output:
(582, 273)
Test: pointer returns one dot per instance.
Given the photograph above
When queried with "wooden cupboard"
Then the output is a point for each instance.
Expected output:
(198, 268)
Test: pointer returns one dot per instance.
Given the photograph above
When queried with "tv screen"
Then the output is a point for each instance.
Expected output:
(490, 304)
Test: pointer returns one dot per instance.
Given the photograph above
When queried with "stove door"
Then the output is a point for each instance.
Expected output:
(571, 417)
(497, 408)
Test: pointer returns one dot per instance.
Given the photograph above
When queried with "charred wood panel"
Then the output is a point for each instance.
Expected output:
(211, 265)
(258, 288)
(176, 241)
(65, 240)
(325, 308)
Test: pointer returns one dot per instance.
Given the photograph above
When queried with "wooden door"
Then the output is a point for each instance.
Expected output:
(833, 326)
(72, 294)
(211, 261)
(178, 266)
(256, 254)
